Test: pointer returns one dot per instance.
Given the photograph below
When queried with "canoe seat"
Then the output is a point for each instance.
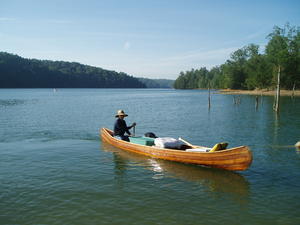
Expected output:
(219, 146)
(142, 140)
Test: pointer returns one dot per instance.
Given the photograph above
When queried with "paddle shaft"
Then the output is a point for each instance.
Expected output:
(184, 141)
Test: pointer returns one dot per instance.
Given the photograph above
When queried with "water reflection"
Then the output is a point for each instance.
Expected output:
(276, 126)
(15, 102)
(11, 102)
(214, 180)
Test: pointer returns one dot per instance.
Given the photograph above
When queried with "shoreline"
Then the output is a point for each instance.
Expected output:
(263, 92)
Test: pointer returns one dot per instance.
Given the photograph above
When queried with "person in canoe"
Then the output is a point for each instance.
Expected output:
(120, 127)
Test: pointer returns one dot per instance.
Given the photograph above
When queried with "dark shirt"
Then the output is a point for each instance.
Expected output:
(120, 128)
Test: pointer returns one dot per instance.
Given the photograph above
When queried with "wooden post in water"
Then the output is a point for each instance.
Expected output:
(208, 95)
(256, 102)
(293, 93)
(276, 103)
(237, 100)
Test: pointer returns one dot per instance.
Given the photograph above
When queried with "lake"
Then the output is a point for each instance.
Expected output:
(54, 169)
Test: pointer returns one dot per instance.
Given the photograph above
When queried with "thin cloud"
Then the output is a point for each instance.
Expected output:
(171, 66)
(7, 19)
(198, 56)
(54, 21)
(256, 35)
(57, 21)
(127, 45)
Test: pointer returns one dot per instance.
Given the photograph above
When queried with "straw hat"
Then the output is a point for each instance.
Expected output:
(121, 113)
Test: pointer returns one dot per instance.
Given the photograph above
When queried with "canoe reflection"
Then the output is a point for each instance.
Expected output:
(215, 179)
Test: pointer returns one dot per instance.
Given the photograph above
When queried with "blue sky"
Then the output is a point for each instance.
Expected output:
(144, 38)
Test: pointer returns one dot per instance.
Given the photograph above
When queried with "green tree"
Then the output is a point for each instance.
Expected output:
(235, 69)
(258, 69)
(283, 50)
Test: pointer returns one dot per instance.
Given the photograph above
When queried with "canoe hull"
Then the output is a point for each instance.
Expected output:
(235, 159)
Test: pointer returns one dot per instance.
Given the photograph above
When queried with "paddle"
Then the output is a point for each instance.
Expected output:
(133, 126)
(184, 141)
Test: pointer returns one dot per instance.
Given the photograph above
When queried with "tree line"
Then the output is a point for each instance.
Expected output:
(249, 69)
(18, 72)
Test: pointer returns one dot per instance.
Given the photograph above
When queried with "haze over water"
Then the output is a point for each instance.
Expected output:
(54, 169)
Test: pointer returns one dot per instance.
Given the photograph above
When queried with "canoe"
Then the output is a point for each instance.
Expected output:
(235, 159)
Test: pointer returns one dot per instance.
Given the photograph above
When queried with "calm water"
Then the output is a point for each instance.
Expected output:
(55, 170)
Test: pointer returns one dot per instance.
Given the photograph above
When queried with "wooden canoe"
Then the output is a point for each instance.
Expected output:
(236, 159)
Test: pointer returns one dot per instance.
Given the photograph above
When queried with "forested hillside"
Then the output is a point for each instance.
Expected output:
(18, 72)
(247, 68)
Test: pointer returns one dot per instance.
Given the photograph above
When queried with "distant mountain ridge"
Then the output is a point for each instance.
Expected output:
(18, 72)
(157, 83)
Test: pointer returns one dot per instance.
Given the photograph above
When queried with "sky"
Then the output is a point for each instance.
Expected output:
(143, 38)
